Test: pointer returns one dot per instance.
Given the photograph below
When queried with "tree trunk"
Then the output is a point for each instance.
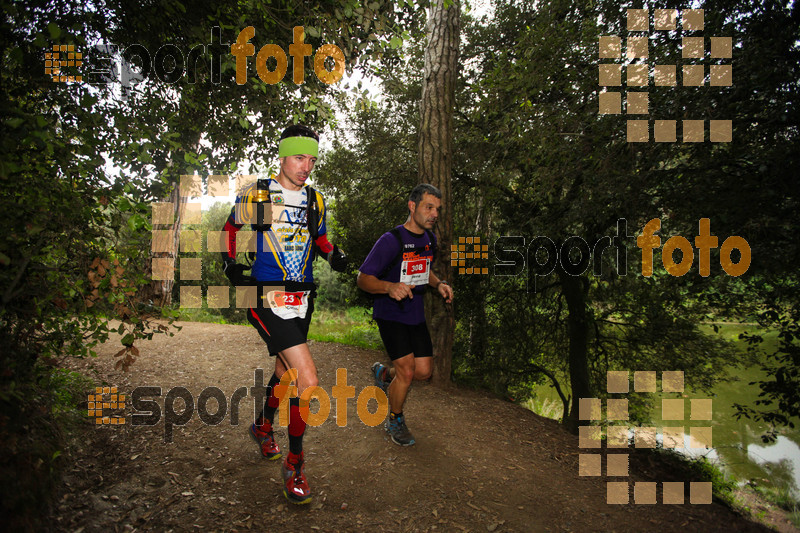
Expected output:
(160, 291)
(479, 322)
(176, 199)
(574, 291)
(435, 163)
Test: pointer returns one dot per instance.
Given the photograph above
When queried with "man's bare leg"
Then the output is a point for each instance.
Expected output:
(298, 358)
(406, 369)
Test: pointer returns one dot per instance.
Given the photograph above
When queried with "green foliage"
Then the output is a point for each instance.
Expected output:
(69, 390)
(544, 407)
(334, 290)
(370, 181)
(794, 517)
(210, 316)
(779, 399)
(532, 157)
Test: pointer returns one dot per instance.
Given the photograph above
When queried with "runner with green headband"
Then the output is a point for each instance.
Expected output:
(291, 233)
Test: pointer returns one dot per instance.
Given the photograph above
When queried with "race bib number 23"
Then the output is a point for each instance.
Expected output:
(288, 305)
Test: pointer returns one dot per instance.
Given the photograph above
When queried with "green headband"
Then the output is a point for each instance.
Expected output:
(297, 146)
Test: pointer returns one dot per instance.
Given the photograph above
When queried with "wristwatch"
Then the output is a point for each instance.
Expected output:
(440, 282)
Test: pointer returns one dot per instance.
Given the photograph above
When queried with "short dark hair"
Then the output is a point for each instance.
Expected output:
(423, 188)
(299, 130)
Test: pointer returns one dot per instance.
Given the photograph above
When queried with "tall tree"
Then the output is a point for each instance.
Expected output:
(436, 160)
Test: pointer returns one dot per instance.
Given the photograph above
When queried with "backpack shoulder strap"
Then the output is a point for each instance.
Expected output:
(259, 207)
(398, 258)
(432, 237)
(312, 212)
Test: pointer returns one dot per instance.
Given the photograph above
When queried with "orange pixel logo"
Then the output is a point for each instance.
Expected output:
(63, 55)
(105, 398)
(459, 253)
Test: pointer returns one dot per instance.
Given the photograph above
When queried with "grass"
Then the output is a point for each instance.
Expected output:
(353, 327)
(722, 486)
(201, 314)
(783, 498)
(544, 407)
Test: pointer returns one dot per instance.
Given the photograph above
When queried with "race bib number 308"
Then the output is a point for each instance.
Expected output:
(415, 271)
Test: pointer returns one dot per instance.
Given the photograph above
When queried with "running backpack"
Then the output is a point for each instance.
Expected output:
(399, 257)
(312, 217)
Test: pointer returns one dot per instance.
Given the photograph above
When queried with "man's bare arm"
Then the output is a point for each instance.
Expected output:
(373, 285)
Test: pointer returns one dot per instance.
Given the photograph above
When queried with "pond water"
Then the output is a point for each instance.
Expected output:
(737, 444)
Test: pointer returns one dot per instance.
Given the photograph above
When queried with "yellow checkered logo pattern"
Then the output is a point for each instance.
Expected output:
(468, 248)
(640, 74)
(181, 259)
(102, 399)
(619, 435)
(62, 55)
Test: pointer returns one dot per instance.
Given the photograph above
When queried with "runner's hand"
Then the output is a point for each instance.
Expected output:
(337, 259)
(446, 291)
(235, 273)
(400, 291)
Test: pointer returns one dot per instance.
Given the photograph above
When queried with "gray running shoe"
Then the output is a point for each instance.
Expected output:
(399, 432)
(377, 372)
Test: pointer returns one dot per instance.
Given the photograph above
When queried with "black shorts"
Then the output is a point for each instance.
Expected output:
(278, 333)
(401, 339)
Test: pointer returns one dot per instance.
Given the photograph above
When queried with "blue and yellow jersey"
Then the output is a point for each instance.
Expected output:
(284, 252)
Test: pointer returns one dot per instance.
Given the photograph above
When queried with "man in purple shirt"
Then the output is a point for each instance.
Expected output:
(397, 271)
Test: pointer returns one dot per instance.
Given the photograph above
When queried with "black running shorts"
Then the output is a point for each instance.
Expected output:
(401, 339)
(277, 332)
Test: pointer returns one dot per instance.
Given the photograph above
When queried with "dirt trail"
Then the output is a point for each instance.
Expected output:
(480, 464)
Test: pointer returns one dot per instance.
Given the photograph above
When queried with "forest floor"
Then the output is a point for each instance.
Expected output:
(480, 463)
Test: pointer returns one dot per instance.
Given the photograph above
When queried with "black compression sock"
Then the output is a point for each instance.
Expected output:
(268, 412)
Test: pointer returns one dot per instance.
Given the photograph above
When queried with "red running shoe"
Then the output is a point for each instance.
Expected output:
(295, 486)
(266, 440)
